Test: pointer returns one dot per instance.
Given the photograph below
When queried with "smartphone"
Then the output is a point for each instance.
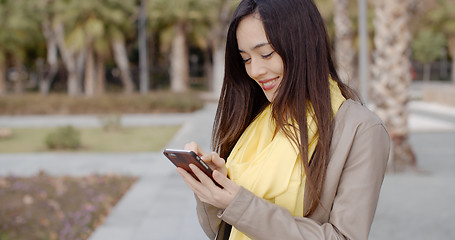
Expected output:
(183, 158)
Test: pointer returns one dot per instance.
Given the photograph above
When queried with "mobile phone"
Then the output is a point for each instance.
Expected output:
(183, 159)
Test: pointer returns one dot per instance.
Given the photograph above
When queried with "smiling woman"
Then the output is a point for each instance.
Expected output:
(296, 155)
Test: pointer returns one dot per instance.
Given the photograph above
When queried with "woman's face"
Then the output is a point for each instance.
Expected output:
(261, 61)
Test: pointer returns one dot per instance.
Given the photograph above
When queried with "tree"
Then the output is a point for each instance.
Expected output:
(177, 18)
(83, 30)
(217, 40)
(426, 49)
(391, 76)
(442, 18)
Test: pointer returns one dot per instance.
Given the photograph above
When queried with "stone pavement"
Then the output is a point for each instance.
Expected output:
(414, 205)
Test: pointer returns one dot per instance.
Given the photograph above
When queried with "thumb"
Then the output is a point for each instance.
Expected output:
(219, 162)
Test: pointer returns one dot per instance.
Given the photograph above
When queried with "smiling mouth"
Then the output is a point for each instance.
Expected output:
(269, 84)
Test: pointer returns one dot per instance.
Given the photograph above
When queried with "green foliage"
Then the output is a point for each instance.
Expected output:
(442, 16)
(427, 46)
(64, 138)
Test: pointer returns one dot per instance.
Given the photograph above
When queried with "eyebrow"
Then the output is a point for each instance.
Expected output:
(256, 46)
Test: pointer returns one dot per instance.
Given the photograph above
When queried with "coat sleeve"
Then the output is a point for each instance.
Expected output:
(353, 207)
(207, 216)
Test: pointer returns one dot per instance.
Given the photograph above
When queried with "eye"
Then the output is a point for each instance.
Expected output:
(268, 55)
(244, 61)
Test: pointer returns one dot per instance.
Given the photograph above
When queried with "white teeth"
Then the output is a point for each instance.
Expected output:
(266, 84)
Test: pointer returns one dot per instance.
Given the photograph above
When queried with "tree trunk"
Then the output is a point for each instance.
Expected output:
(121, 59)
(451, 41)
(344, 44)
(218, 69)
(18, 78)
(100, 76)
(74, 87)
(144, 82)
(426, 72)
(219, 45)
(391, 77)
(52, 59)
(179, 60)
(2, 78)
(89, 79)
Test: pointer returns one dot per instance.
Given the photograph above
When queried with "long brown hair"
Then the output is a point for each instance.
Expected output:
(296, 31)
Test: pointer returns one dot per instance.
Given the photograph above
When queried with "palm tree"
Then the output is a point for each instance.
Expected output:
(344, 43)
(217, 39)
(91, 26)
(442, 19)
(43, 13)
(178, 18)
(391, 76)
(16, 37)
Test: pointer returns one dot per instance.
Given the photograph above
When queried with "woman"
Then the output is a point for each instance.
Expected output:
(304, 160)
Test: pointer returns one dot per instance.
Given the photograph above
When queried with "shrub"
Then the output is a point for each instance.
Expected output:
(64, 138)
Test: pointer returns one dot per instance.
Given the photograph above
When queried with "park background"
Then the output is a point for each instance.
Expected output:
(118, 80)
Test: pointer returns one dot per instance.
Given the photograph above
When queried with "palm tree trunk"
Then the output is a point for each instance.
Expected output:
(121, 59)
(74, 88)
(100, 76)
(19, 78)
(179, 60)
(52, 59)
(391, 77)
(2, 78)
(90, 86)
(451, 41)
(344, 44)
(219, 44)
(426, 72)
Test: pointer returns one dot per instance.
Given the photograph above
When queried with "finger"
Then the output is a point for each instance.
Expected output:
(225, 182)
(193, 146)
(209, 158)
(187, 177)
(203, 178)
(214, 160)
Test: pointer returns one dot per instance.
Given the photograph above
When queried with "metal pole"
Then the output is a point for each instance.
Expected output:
(363, 51)
(143, 53)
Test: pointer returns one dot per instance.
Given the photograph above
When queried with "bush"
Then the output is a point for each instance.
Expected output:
(154, 102)
(64, 138)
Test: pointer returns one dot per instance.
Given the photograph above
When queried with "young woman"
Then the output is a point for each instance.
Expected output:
(304, 160)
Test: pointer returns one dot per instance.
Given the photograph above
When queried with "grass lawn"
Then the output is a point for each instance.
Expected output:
(131, 139)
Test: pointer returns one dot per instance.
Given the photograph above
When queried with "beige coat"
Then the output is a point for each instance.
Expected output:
(358, 159)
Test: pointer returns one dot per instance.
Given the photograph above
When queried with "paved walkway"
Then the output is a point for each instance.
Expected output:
(159, 206)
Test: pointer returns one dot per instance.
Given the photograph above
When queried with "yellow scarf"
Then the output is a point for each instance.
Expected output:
(268, 165)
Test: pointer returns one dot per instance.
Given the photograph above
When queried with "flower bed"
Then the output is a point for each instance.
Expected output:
(47, 207)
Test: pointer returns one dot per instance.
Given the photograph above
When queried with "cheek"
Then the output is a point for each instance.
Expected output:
(279, 67)
(248, 72)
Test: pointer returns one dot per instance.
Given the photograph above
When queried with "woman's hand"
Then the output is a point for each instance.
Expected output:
(205, 189)
(212, 159)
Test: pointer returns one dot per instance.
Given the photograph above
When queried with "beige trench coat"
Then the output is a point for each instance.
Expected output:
(358, 159)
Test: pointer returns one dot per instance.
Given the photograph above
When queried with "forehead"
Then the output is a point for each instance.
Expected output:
(250, 33)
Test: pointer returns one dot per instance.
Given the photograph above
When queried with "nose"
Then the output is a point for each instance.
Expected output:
(256, 68)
